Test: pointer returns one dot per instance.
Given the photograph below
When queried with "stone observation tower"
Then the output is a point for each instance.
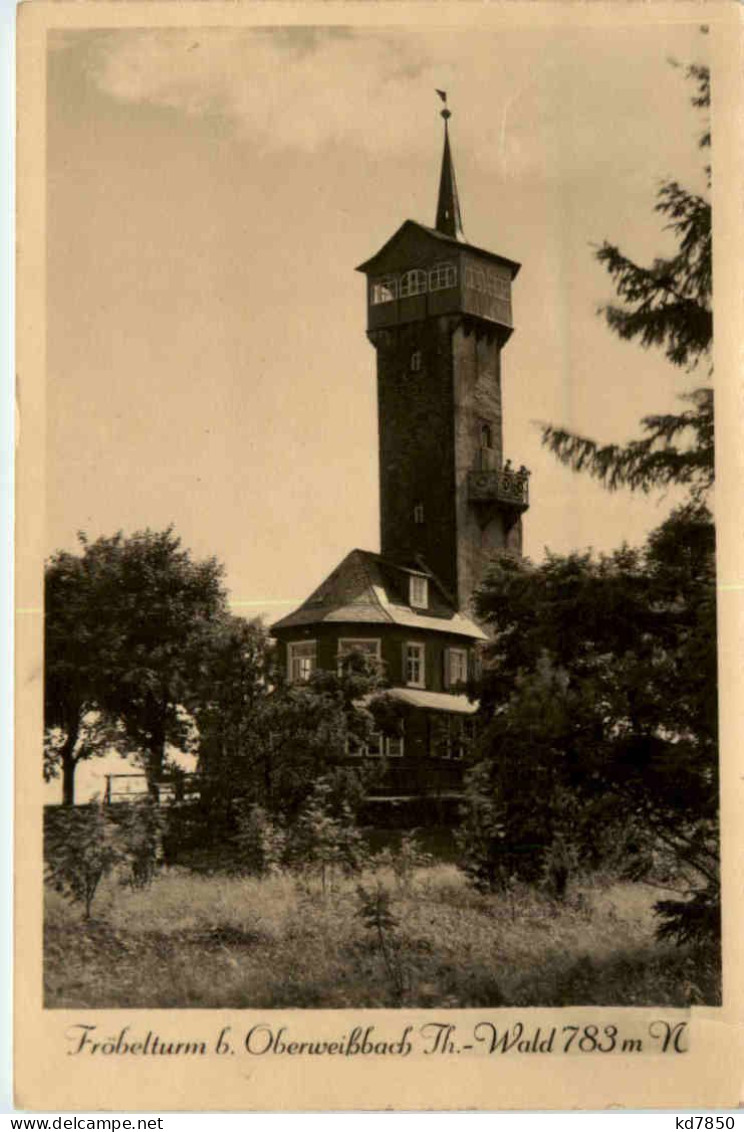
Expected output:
(439, 314)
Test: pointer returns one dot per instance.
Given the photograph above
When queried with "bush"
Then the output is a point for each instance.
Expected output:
(696, 921)
(325, 836)
(85, 844)
(403, 861)
(261, 843)
(139, 837)
(80, 850)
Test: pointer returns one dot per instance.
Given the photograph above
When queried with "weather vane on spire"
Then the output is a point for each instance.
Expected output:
(449, 219)
(446, 113)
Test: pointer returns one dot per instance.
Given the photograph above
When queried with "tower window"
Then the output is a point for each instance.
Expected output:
(486, 436)
(497, 286)
(413, 282)
(416, 360)
(414, 669)
(418, 592)
(441, 276)
(384, 290)
(418, 514)
(302, 660)
(475, 279)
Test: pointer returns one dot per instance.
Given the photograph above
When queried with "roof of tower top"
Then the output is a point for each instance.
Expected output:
(448, 224)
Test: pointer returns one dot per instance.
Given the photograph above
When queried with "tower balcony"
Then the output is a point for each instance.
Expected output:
(507, 487)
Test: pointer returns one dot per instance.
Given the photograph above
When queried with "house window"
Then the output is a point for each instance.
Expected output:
(377, 746)
(418, 514)
(366, 646)
(395, 746)
(413, 283)
(418, 591)
(441, 276)
(302, 660)
(416, 361)
(486, 436)
(384, 290)
(457, 667)
(454, 738)
(414, 667)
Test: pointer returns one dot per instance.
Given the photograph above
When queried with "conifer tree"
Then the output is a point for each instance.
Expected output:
(667, 304)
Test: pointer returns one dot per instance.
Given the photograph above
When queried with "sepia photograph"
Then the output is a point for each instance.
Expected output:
(380, 584)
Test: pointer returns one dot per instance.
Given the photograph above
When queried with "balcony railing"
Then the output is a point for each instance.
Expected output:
(507, 486)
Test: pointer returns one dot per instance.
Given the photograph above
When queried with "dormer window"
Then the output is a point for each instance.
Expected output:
(441, 276)
(413, 283)
(384, 290)
(416, 361)
(418, 592)
(418, 514)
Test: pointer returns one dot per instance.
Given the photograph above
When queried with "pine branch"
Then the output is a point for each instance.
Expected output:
(654, 461)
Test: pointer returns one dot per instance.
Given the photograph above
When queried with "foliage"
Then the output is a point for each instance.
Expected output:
(261, 842)
(139, 837)
(79, 852)
(125, 629)
(159, 607)
(266, 742)
(85, 844)
(325, 838)
(404, 860)
(599, 692)
(520, 815)
(376, 914)
(691, 921)
(666, 305)
(75, 641)
(633, 734)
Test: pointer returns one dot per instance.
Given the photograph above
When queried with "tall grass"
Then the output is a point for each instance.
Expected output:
(218, 941)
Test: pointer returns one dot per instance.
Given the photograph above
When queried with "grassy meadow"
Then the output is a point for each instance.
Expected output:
(280, 942)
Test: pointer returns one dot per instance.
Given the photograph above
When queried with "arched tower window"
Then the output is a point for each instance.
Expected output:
(413, 282)
(486, 435)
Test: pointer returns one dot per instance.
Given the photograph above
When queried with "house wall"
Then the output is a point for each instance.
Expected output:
(392, 638)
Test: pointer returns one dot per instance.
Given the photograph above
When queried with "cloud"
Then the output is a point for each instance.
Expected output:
(526, 101)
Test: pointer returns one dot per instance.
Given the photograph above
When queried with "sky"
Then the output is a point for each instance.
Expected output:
(210, 192)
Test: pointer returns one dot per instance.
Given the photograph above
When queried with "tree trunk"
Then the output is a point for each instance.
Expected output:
(155, 760)
(69, 762)
(154, 771)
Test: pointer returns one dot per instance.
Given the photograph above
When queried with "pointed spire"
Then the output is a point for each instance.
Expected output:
(449, 219)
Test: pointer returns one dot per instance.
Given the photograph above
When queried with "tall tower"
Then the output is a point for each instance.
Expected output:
(439, 315)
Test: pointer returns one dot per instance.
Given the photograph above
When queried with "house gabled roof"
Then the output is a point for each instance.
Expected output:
(366, 588)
